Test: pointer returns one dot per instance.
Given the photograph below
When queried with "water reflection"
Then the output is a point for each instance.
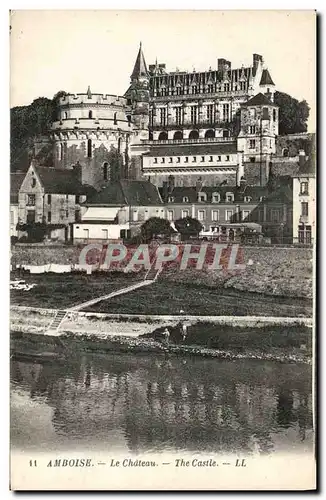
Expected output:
(145, 403)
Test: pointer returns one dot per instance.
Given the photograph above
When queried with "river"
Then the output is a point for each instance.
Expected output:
(147, 403)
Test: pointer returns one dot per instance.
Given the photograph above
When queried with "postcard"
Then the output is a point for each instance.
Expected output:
(162, 260)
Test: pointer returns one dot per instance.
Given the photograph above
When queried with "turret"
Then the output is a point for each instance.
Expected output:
(138, 92)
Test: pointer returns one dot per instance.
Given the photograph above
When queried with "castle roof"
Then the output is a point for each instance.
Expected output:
(140, 68)
(254, 192)
(127, 192)
(258, 100)
(16, 179)
(266, 78)
(61, 181)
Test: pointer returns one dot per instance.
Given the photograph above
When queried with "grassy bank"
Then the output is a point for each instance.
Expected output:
(164, 297)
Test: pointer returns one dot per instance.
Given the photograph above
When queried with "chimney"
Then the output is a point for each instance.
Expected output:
(199, 184)
(171, 183)
(302, 158)
(243, 184)
(223, 64)
(256, 58)
(165, 191)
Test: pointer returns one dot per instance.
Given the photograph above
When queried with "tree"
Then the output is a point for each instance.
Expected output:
(155, 226)
(293, 114)
(188, 226)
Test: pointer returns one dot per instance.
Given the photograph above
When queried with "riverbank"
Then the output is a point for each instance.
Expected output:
(281, 339)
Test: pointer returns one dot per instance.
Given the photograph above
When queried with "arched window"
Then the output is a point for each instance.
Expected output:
(185, 199)
(106, 171)
(177, 135)
(285, 152)
(90, 114)
(209, 134)
(216, 197)
(163, 136)
(89, 148)
(194, 134)
(115, 121)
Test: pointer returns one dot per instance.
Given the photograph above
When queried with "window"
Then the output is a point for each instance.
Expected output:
(135, 215)
(67, 197)
(33, 182)
(242, 85)
(226, 109)
(170, 214)
(252, 129)
(215, 198)
(186, 159)
(202, 197)
(226, 87)
(210, 88)
(252, 144)
(194, 159)
(65, 115)
(170, 199)
(105, 234)
(115, 121)
(215, 215)
(194, 110)
(106, 171)
(194, 89)
(178, 90)
(49, 199)
(252, 113)
(218, 158)
(162, 160)
(185, 199)
(77, 216)
(227, 158)
(274, 115)
(201, 215)
(245, 215)
(89, 148)
(285, 152)
(229, 197)
(203, 158)
(163, 116)
(178, 115)
(247, 199)
(31, 199)
(252, 159)
(90, 114)
(210, 112)
(184, 213)
(129, 120)
(229, 215)
(49, 216)
(178, 159)
(304, 188)
(86, 234)
(170, 160)
(67, 214)
(146, 216)
(275, 215)
(304, 209)
(60, 151)
(30, 216)
(155, 160)
(265, 115)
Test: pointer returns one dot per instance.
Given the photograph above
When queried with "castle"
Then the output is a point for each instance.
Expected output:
(214, 126)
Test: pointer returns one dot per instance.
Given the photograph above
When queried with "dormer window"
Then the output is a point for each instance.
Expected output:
(218, 158)
(185, 199)
(227, 158)
(194, 159)
(304, 188)
(261, 198)
(170, 160)
(202, 197)
(170, 199)
(210, 158)
(216, 197)
(203, 158)
(155, 160)
(247, 199)
(162, 160)
(229, 197)
(226, 87)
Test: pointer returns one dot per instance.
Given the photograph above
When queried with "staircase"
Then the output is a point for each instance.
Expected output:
(56, 322)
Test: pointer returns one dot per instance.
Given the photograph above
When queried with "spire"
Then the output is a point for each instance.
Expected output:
(140, 68)
(89, 93)
(266, 78)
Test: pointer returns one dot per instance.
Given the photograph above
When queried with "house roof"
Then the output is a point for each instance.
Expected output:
(62, 181)
(258, 100)
(266, 78)
(193, 149)
(140, 68)
(16, 179)
(127, 192)
(254, 192)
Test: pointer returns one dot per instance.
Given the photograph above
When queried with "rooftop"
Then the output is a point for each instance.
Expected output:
(127, 192)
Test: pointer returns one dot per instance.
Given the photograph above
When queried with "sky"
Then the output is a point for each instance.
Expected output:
(52, 50)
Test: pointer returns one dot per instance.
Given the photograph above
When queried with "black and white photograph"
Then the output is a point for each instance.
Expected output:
(162, 250)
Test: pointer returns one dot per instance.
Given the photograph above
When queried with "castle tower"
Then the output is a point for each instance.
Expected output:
(93, 130)
(138, 94)
(259, 128)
